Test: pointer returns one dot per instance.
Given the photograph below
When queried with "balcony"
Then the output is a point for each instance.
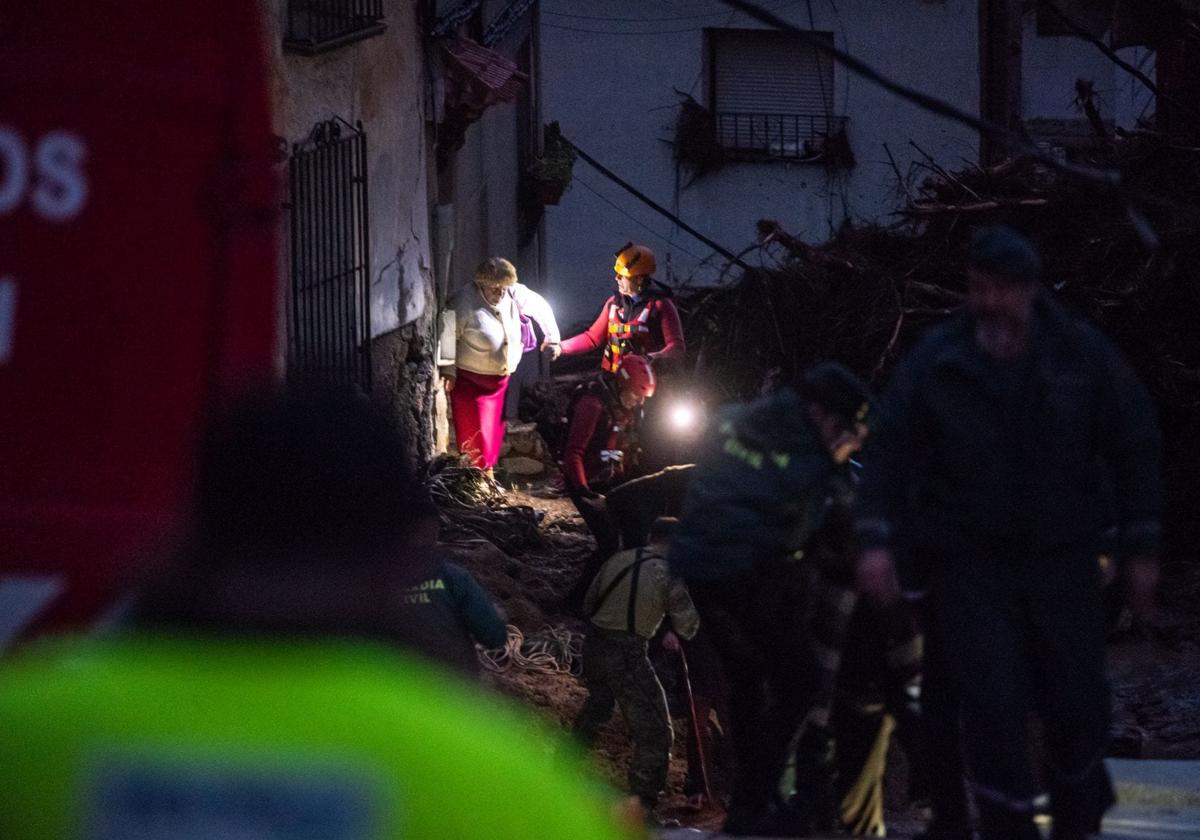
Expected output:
(805, 138)
(316, 26)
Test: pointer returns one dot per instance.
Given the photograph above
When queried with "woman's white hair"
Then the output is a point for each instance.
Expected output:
(495, 271)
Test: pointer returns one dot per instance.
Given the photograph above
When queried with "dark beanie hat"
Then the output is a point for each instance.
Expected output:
(312, 466)
(838, 391)
(1002, 251)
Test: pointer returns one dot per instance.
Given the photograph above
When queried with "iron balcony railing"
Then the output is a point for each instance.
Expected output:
(785, 136)
(329, 258)
(315, 26)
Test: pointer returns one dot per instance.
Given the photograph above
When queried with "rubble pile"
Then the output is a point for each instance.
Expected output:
(868, 293)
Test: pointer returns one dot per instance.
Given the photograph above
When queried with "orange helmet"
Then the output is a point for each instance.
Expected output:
(635, 261)
(637, 376)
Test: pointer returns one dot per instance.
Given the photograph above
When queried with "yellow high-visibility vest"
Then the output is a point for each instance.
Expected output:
(159, 738)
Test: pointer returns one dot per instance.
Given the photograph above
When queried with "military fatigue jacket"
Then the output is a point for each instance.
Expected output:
(644, 592)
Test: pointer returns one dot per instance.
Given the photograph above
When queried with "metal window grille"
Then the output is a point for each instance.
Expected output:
(772, 94)
(314, 26)
(329, 318)
(786, 136)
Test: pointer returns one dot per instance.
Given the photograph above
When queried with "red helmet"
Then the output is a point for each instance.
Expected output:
(636, 375)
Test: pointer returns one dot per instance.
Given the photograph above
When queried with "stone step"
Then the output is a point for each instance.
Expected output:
(523, 439)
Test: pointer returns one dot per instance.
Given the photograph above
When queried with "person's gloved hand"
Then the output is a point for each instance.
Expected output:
(594, 501)
(875, 575)
(670, 642)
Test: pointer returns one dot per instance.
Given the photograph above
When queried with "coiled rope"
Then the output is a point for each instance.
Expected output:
(552, 650)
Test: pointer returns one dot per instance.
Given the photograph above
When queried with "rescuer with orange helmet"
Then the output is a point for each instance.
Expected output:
(640, 319)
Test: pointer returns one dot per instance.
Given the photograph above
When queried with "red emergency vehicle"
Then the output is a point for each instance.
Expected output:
(137, 279)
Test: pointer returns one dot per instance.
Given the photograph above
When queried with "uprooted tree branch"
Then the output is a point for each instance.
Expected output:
(867, 294)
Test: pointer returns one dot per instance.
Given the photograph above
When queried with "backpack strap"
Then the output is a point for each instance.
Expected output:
(631, 611)
(639, 558)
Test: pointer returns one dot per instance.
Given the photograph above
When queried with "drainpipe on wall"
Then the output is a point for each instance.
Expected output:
(1000, 44)
(443, 246)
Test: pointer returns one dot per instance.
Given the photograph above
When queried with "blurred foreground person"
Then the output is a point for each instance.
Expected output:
(758, 492)
(1001, 434)
(626, 602)
(449, 600)
(260, 693)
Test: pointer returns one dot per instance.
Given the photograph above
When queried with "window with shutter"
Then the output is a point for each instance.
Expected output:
(772, 94)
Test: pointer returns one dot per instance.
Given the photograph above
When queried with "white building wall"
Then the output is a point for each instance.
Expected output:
(614, 95)
(1051, 64)
(380, 81)
(487, 196)
(1131, 99)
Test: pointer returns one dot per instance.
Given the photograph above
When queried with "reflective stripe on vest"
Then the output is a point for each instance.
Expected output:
(620, 333)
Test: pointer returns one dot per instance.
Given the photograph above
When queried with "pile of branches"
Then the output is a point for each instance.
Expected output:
(473, 508)
(868, 293)
(1128, 260)
(454, 483)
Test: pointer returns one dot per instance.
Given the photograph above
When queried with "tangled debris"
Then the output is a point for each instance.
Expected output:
(454, 483)
(870, 290)
(475, 509)
(867, 294)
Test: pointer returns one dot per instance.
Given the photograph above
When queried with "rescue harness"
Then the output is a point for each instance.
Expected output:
(625, 336)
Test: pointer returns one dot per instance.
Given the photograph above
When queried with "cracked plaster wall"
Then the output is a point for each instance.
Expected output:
(379, 81)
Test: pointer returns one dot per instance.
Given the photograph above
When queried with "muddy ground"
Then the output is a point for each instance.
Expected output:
(529, 554)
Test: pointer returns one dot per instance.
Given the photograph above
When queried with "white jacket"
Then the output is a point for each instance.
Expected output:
(487, 339)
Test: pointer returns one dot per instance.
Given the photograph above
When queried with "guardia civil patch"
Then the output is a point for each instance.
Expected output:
(140, 799)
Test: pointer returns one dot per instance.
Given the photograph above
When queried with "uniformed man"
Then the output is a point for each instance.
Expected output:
(269, 686)
(758, 492)
(1001, 432)
(625, 604)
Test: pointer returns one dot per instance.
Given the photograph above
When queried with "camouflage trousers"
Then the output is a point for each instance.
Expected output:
(617, 669)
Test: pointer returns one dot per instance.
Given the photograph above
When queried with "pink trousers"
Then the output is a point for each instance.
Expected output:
(478, 403)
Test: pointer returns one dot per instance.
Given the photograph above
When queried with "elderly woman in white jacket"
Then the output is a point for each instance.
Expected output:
(482, 342)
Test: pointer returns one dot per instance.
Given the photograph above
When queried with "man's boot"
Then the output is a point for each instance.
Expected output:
(997, 822)
(1078, 803)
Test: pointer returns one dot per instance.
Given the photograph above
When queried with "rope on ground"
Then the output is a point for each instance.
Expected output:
(552, 650)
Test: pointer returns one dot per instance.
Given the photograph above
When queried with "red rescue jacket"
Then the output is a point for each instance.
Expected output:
(649, 327)
(601, 439)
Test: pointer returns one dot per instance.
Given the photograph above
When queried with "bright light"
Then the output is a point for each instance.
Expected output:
(684, 416)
